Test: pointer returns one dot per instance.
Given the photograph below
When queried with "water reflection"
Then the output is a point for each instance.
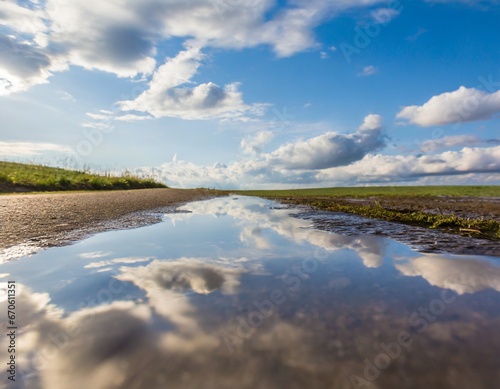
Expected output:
(238, 294)
(461, 274)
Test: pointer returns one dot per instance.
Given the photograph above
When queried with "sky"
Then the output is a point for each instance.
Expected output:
(255, 94)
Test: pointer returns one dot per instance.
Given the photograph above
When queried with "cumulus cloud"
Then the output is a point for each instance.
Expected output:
(168, 95)
(331, 149)
(24, 65)
(205, 101)
(261, 172)
(393, 168)
(26, 149)
(292, 163)
(462, 105)
(122, 37)
(254, 144)
(371, 122)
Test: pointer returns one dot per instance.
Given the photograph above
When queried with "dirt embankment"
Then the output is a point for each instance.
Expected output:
(53, 219)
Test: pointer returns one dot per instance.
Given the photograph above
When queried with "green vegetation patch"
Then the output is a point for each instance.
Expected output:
(18, 176)
(452, 223)
(459, 191)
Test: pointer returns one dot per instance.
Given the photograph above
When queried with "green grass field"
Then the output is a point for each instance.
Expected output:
(474, 191)
(19, 176)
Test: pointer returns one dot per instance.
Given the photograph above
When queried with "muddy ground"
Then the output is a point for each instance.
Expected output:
(465, 207)
(419, 238)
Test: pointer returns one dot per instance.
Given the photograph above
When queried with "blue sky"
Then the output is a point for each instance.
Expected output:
(256, 93)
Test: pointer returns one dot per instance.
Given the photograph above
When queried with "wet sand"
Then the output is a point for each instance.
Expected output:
(45, 220)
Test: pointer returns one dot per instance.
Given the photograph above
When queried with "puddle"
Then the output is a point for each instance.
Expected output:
(419, 238)
(236, 293)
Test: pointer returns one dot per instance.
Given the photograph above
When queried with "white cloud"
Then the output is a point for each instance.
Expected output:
(331, 149)
(368, 71)
(99, 116)
(462, 105)
(21, 19)
(477, 165)
(115, 37)
(291, 163)
(26, 149)
(25, 65)
(447, 142)
(131, 118)
(371, 122)
(100, 126)
(122, 36)
(399, 168)
(254, 144)
(168, 96)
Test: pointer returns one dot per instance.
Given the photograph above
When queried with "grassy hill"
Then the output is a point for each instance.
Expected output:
(20, 177)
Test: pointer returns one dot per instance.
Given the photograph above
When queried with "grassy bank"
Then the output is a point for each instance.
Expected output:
(409, 205)
(18, 177)
(458, 191)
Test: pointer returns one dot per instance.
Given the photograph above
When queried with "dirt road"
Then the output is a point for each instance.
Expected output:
(45, 220)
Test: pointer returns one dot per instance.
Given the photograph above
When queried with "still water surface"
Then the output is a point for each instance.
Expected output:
(234, 293)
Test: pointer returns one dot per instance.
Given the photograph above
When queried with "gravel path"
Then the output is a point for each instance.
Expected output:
(45, 220)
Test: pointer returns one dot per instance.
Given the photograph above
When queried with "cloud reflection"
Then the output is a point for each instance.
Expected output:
(462, 275)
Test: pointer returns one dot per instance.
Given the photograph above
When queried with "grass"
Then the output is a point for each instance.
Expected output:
(451, 223)
(355, 192)
(16, 177)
